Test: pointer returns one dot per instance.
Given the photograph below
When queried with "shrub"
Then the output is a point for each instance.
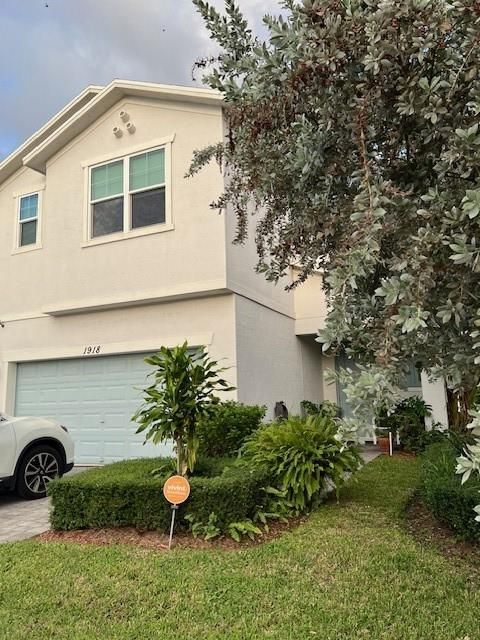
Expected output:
(445, 496)
(419, 441)
(301, 456)
(326, 408)
(468, 462)
(207, 467)
(127, 494)
(225, 430)
(410, 415)
(235, 496)
(408, 420)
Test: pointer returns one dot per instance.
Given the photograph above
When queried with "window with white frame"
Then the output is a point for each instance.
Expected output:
(28, 209)
(127, 194)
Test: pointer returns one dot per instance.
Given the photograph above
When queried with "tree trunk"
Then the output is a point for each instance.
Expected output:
(181, 457)
(460, 402)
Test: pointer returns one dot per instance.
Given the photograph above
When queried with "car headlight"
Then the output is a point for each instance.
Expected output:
(64, 428)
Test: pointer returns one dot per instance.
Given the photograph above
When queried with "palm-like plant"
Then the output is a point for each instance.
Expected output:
(183, 392)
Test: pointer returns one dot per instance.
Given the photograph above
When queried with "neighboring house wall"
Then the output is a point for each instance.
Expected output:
(22, 275)
(330, 389)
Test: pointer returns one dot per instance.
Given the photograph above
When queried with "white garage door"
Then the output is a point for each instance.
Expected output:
(95, 398)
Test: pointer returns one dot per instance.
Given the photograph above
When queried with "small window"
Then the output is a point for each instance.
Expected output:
(28, 220)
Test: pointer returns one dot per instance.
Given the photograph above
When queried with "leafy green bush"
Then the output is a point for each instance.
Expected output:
(234, 496)
(407, 420)
(445, 496)
(225, 430)
(301, 456)
(206, 467)
(206, 530)
(127, 494)
(410, 415)
(419, 441)
(326, 408)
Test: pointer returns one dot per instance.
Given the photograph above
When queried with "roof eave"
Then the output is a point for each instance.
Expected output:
(111, 94)
(14, 161)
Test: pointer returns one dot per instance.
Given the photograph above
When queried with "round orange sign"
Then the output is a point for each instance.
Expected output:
(176, 489)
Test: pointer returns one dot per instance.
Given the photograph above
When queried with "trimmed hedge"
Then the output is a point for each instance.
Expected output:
(445, 496)
(126, 494)
(226, 429)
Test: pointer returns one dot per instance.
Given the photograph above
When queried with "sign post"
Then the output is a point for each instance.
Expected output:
(176, 490)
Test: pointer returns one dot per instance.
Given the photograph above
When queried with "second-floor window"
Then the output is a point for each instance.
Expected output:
(128, 194)
(28, 220)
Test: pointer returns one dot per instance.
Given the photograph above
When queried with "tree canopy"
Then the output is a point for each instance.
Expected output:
(353, 134)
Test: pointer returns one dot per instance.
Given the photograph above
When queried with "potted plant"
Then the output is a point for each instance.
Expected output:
(383, 439)
(386, 425)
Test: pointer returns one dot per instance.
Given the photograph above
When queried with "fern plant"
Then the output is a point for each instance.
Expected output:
(303, 456)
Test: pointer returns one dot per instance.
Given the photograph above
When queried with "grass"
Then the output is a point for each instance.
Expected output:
(351, 572)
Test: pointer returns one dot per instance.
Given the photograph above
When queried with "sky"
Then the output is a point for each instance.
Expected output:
(48, 54)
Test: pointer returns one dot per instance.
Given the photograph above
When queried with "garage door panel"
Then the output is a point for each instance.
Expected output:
(95, 398)
(116, 391)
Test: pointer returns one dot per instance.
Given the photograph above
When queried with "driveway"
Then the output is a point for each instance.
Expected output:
(21, 519)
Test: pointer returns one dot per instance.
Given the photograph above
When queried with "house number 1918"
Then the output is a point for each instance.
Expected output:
(91, 350)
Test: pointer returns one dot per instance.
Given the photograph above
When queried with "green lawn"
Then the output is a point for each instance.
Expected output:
(350, 572)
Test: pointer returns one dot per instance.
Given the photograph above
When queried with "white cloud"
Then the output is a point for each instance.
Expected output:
(48, 55)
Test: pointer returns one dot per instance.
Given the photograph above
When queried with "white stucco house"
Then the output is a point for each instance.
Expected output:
(107, 252)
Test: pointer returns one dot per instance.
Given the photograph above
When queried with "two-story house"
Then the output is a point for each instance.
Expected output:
(108, 252)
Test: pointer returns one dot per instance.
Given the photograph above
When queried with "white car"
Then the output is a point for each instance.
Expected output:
(33, 451)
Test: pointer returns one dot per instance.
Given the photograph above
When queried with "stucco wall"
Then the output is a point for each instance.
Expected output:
(435, 394)
(208, 322)
(310, 305)
(63, 272)
(311, 353)
(242, 277)
(269, 357)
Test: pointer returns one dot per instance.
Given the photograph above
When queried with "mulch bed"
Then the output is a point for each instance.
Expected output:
(159, 541)
(427, 529)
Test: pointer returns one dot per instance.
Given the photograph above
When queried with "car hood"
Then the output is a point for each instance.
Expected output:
(33, 421)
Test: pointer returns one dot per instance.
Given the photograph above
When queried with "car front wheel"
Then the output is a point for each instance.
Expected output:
(38, 467)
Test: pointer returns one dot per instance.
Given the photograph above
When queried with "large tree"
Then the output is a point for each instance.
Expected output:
(353, 134)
